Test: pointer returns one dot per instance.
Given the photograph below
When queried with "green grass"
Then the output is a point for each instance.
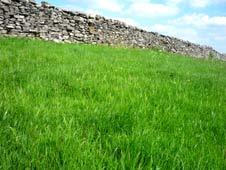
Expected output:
(71, 106)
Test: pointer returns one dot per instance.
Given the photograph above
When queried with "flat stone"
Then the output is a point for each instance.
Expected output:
(79, 35)
(10, 26)
(56, 21)
(33, 30)
(6, 1)
(19, 16)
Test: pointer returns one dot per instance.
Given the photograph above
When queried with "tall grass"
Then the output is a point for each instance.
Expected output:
(67, 106)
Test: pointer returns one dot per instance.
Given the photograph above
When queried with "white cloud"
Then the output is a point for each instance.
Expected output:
(200, 3)
(109, 5)
(71, 7)
(218, 20)
(174, 2)
(147, 9)
(205, 3)
(197, 3)
(201, 20)
(219, 38)
(128, 21)
(93, 12)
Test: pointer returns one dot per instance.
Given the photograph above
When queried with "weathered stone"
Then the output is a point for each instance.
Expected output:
(19, 16)
(173, 50)
(10, 26)
(6, 1)
(69, 28)
(26, 1)
(33, 30)
(56, 21)
(3, 31)
(78, 35)
(1, 11)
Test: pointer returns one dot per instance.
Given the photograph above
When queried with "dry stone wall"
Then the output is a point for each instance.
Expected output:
(27, 18)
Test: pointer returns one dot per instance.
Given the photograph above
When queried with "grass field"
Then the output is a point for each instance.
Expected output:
(67, 106)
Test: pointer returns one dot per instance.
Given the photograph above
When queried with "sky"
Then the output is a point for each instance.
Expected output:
(198, 21)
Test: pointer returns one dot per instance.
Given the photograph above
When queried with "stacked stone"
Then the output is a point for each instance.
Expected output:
(26, 18)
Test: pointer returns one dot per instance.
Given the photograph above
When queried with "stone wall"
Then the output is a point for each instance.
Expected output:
(26, 18)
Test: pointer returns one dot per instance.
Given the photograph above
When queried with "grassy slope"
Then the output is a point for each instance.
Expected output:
(83, 106)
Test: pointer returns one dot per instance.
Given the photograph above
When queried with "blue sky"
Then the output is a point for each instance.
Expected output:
(199, 21)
